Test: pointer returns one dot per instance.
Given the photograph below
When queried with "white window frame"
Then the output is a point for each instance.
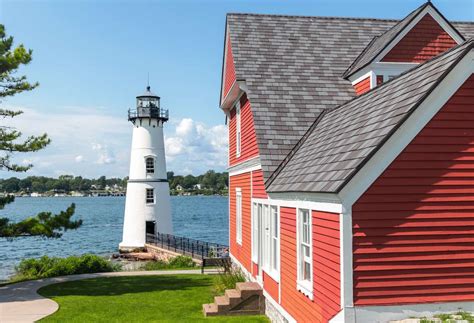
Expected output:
(274, 239)
(147, 158)
(303, 285)
(147, 199)
(238, 130)
(238, 215)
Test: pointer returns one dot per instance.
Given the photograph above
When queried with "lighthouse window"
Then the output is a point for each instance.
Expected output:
(150, 196)
(150, 165)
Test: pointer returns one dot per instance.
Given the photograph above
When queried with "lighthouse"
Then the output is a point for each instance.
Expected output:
(147, 205)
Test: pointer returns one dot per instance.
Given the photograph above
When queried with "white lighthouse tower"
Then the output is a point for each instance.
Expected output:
(147, 205)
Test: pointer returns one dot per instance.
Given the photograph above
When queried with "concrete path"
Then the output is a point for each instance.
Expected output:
(20, 302)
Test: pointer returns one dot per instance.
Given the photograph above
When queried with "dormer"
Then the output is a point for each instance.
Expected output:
(422, 35)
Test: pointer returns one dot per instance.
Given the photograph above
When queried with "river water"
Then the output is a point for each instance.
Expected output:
(198, 217)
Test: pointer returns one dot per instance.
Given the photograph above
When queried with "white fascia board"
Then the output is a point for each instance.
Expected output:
(247, 166)
(235, 92)
(224, 61)
(300, 204)
(407, 131)
(380, 68)
(360, 76)
(296, 199)
(428, 10)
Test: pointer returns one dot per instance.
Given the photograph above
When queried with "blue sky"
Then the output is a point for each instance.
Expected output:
(92, 58)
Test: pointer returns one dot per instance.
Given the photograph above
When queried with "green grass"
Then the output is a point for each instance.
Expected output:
(165, 298)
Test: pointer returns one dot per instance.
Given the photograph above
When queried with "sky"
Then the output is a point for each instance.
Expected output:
(92, 57)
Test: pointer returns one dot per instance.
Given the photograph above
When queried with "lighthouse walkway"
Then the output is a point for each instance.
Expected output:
(20, 302)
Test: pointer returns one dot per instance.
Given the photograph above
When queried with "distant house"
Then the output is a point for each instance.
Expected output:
(197, 186)
(351, 147)
(179, 187)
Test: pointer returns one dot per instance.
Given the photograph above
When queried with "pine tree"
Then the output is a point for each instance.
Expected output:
(11, 141)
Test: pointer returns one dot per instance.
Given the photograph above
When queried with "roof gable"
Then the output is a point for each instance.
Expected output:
(345, 138)
(382, 44)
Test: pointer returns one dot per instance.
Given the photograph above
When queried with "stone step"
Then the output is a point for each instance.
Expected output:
(248, 289)
(222, 303)
(210, 309)
(234, 297)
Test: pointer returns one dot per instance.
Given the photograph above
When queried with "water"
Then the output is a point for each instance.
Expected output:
(198, 217)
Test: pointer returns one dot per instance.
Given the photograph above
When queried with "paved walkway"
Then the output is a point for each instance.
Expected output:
(20, 302)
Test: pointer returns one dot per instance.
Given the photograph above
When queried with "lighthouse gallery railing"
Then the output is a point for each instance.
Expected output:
(197, 249)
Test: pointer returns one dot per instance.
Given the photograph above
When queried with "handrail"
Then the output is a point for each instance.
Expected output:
(150, 112)
(197, 249)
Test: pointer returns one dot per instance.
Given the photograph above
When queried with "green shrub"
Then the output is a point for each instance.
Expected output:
(227, 280)
(45, 266)
(178, 262)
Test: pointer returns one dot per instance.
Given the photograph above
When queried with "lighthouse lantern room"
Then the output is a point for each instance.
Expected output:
(147, 205)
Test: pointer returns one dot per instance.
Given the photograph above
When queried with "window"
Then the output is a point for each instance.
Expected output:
(274, 239)
(238, 215)
(150, 165)
(150, 196)
(305, 280)
(238, 130)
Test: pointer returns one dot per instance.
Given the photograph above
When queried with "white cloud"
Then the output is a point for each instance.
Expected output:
(195, 147)
(90, 142)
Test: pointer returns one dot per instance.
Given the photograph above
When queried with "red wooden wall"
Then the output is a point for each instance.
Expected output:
(249, 148)
(363, 86)
(326, 262)
(326, 302)
(242, 253)
(229, 70)
(414, 227)
(258, 186)
(424, 41)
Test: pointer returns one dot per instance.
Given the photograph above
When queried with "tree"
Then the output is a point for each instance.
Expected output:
(11, 142)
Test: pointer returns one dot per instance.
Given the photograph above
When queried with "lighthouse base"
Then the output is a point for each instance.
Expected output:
(123, 248)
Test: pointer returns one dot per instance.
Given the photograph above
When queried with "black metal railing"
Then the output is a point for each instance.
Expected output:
(197, 249)
(151, 112)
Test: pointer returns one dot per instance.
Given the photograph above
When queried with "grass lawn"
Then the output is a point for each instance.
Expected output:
(165, 298)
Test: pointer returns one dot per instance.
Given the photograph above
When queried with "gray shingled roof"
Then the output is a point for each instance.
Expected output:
(347, 136)
(292, 66)
(379, 42)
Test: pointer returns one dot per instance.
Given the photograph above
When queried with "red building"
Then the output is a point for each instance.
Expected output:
(351, 163)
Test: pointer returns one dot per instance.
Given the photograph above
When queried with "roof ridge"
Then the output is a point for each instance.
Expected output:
(310, 17)
(378, 87)
(295, 149)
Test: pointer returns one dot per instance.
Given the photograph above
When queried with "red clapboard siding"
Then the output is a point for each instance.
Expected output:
(326, 262)
(229, 76)
(258, 186)
(326, 267)
(242, 253)
(249, 148)
(414, 227)
(271, 286)
(425, 40)
(363, 86)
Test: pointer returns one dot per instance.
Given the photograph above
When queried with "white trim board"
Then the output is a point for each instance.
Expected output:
(249, 165)
(330, 207)
(407, 131)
